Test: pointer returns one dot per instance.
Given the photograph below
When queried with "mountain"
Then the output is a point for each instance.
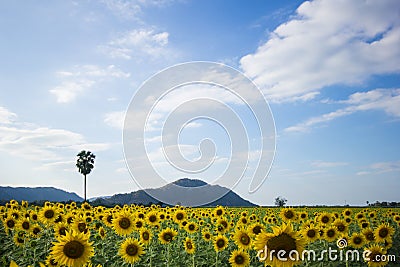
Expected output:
(186, 192)
(36, 194)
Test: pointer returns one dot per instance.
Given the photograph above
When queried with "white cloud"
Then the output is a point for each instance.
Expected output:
(6, 116)
(327, 164)
(83, 78)
(137, 43)
(42, 144)
(327, 43)
(381, 167)
(387, 100)
(131, 9)
(115, 119)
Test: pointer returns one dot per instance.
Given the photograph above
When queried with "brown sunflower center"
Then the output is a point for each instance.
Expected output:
(383, 232)
(132, 250)
(167, 237)
(189, 245)
(25, 225)
(220, 243)
(62, 231)
(10, 223)
(207, 236)
(146, 236)
(244, 239)
(311, 233)
(325, 219)
(375, 256)
(74, 249)
(341, 227)
(82, 227)
(124, 223)
(179, 216)
(139, 224)
(370, 236)
(364, 225)
(289, 214)
(48, 214)
(109, 218)
(239, 259)
(281, 242)
(153, 218)
(191, 227)
(219, 212)
(36, 230)
(357, 240)
(257, 230)
(330, 233)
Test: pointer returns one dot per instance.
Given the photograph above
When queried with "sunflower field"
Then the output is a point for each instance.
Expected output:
(82, 235)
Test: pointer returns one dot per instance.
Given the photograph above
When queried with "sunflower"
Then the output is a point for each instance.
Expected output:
(220, 242)
(303, 216)
(24, 224)
(288, 215)
(179, 216)
(242, 239)
(131, 250)
(330, 234)
(206, 235)
(48, 214)
(60, 229)
(108, 218)
(167, 235)
(341, 226)
(145, 236)
(310, 233)
(101, 232)
(384, 233)
(9, 223)
(138, 223)
(36, 230)
(256, 228)
(152, 218)
(123, 223)
(189, 245)
(357, 240)
(222, 226)
(19, 238)
(325, 218)
(79, 225)
(283, 240)
(347, 212)
(73, 249)
(219, 211)
(239, 258)
(368, 234)
(51, 262)
(191, 227)
(375, 257)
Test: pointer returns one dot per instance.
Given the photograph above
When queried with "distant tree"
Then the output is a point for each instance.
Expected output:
(85, 164)
(280, 201)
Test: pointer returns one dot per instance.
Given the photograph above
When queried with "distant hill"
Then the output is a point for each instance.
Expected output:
(186, 192)
(179, 192)
(36, 194)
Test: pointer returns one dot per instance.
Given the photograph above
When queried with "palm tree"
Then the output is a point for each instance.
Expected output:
(85, 164)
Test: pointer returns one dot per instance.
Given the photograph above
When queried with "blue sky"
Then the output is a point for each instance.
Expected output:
(329, 70)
